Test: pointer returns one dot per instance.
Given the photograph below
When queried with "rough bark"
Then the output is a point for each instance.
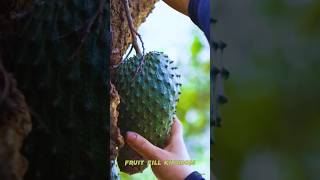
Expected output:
(121, 39)
(15, 120)
(10, 12)
(116, 138)
(15, 124)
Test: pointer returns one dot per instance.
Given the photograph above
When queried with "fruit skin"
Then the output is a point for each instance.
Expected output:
(148, 98)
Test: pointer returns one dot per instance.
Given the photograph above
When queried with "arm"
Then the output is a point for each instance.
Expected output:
(179, 5)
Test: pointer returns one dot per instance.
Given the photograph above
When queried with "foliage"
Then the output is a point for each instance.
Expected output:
(195, 97)
(272, 124)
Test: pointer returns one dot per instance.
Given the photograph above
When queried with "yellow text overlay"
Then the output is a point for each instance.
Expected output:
(159, 163)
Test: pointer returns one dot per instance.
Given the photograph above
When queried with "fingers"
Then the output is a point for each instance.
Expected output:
(175, 142)
(149, 151)
(176, 129)
(176, 134)
(143, 146)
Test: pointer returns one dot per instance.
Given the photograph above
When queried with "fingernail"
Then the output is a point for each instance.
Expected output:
(131, 136)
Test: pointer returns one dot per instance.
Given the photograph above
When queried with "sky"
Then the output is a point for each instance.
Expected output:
(168, 30)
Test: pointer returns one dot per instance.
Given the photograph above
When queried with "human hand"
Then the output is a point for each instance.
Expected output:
(175, 150)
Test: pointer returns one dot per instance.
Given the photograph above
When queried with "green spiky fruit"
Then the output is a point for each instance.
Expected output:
(149, 91)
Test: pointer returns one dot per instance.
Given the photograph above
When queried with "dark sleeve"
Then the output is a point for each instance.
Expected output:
(194, 176)
(199, 12)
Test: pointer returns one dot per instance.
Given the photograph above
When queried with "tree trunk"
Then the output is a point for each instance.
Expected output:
(15, 120)
(58, 52)
(15, 125)
(120, 40)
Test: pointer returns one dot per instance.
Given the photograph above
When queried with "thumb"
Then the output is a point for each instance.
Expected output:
(176, 134)
(176, 142)
(142, 146)
(177, 128)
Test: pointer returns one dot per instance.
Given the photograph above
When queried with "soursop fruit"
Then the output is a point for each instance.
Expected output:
(149, 91)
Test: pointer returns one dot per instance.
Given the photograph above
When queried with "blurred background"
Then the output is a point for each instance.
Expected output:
(174, 34)
(271, 125)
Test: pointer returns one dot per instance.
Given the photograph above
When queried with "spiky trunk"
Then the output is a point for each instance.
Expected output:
(58, 52)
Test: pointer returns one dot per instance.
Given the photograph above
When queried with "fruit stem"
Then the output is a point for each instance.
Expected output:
(132, 29)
